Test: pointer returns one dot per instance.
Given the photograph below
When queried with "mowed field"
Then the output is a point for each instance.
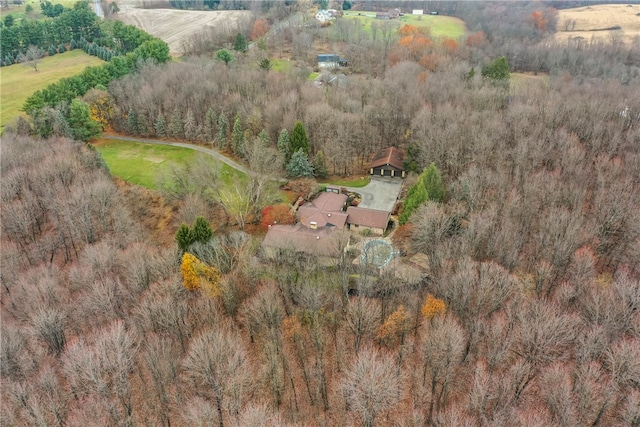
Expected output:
(145, 164)
(439, 25)
(18, 81)
(593, 22)
(173, 26)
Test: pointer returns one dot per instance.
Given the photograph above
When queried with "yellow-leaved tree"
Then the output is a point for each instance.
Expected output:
(432, 307)
(198, 275)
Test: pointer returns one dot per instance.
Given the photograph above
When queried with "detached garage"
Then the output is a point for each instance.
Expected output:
(389, 162)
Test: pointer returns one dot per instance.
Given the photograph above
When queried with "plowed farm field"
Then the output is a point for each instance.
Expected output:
(606, 22)
(173, 26)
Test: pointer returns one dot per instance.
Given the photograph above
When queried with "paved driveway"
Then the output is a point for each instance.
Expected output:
(380, 194)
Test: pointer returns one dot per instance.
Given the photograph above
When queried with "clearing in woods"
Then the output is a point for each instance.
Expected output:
(176, 26)
(19, 81)
(596, 22)
(144, 164)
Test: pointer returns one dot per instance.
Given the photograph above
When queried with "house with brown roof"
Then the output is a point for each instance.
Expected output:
(388, 162)
(298, 238)
(325, 210)
(362, 218)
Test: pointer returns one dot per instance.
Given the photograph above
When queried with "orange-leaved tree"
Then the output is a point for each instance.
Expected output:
(276, 214)
(260, 28)
(432, 307)
(395, 327)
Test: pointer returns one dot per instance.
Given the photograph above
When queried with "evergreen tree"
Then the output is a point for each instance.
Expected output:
(240, 45)
(299, 165)
(223, 130)
(264, 138)
(132, 122)
(265, 64)
(416, 196)
(320, 165)
(236, 135)
(411, 161)
(432, 181)
(299, 139)
(143, 128)
(83, 127)
(52, 50)
(498, 71)
(284, 144)
(176, 128)
(160, 125)
(202, 230)
(62, 48)
(209, 124)
(184, 237)
(190, 126)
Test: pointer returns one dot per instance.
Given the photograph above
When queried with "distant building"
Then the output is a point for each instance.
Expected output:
(326, 15)
(331, 60)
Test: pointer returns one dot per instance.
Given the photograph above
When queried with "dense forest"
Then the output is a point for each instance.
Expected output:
(529, 312)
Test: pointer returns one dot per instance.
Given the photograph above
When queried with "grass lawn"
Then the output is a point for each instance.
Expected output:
(357, 181)
(281, 65)
(142, 164)
(18, 11)
(19, 81)
(440, 26)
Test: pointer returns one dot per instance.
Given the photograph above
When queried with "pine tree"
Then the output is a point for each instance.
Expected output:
(184, 237)
(240, 45)
(264, 138)
(236, 135)
(160, 125)
(320, 165)
(432, 181)
(143, 128)
(132, 122)
(176, 128)
(299, 139)
(223, 130)
(209, 124)
(416, 196)
(299, 165)
(202, 230)
(190, 126)
(284, 144)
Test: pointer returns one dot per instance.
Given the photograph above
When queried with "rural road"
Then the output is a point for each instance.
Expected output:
(209, 151)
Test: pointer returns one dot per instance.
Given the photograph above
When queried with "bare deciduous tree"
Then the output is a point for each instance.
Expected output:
(217, 363)
(372, 385)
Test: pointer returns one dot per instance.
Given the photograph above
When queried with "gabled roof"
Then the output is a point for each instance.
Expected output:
(390, 156)
(325, 210)
(367, 217)
(299, 238)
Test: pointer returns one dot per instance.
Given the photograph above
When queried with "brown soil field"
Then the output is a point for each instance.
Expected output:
(591, 22)
(173, 26)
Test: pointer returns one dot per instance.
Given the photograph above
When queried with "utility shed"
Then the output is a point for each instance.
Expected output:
(388, 162)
